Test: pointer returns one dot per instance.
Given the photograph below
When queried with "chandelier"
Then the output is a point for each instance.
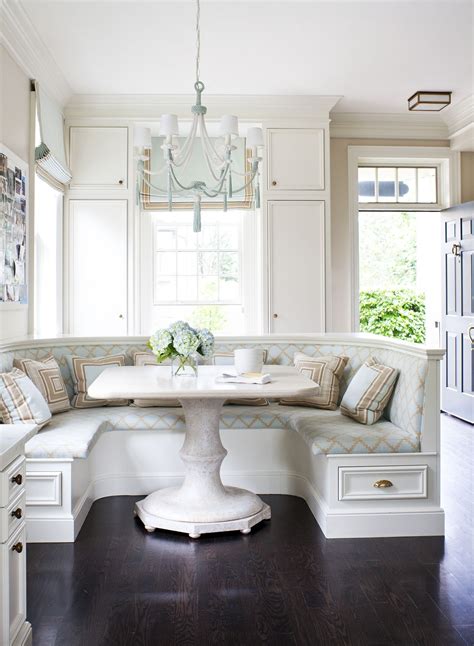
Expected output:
(167, 183)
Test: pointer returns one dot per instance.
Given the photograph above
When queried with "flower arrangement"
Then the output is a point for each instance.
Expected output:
(181, 342)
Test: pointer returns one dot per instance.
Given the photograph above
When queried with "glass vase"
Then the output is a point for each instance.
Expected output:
(184, 366)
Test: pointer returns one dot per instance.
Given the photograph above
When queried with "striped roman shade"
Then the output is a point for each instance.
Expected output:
(21, 401)
(326, 371)
(369, 392)
(46, 376)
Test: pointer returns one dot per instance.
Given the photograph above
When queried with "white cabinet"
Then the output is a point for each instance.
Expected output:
(98, 157)
(296, 266)
(98, 267)
(295, 159)
(14, 629)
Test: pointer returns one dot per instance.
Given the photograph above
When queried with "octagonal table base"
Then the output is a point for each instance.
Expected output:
(202, 505)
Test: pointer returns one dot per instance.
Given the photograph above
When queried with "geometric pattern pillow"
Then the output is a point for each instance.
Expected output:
(326, 371)
(226, 359)
(47, 377)
(21, 401)
(84, 371)
(149, 359)
(369, 392)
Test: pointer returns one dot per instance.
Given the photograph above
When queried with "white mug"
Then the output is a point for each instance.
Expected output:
(248, 360)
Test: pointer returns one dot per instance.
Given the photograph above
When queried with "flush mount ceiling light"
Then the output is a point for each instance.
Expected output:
(217, 155)
(429, 101)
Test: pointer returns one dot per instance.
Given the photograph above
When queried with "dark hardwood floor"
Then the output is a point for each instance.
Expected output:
(283, 584)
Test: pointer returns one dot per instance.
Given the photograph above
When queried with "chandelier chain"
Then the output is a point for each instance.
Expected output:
(198, 39)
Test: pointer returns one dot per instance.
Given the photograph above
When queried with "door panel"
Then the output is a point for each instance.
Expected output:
(458, 311)
(296, 266)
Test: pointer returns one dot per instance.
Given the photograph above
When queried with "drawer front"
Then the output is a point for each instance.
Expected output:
(12, 516)
(375, 483)
(12, 481)
(14, 557)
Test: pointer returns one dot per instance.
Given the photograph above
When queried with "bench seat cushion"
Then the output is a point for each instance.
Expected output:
(74, 433)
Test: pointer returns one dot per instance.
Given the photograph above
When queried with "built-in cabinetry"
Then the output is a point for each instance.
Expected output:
(296, 265)
(14, 629)
(103, 249)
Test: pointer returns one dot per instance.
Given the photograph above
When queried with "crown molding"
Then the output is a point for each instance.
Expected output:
(351, 125)
(20, 38)
(460, 121)
(150, 106)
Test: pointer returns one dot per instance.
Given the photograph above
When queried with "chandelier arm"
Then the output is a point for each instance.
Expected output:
(184, 188)
(163, 192)
(224, 169)
(246, 185)
(206, 140)
(188, 144)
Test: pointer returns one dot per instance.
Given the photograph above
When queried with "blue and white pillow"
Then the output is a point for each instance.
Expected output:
(20, 400)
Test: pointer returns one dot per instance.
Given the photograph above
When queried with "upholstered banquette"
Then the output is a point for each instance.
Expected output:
(329, 459)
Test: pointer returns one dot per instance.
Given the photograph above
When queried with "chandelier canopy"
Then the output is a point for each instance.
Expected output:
(217, 155)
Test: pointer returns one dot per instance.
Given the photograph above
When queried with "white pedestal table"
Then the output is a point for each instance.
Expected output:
(202, 504)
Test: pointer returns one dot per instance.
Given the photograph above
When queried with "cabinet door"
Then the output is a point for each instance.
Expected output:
(13, 585)
(98, 267)
(98, 157)
(296, 266)
(296, 159)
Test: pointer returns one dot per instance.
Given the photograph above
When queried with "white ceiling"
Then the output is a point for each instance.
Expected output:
(375, 54)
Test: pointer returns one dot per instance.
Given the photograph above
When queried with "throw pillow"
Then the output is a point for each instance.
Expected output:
(149, 359)
(46, 376)
(83, 371)
(325, 371)
(227, 359)
(21, 401)
(369, 392)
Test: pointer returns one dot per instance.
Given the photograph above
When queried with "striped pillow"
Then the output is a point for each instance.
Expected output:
(21, 401)
(369, 392)
(149, 359)
(326, 371)
(83, 371)
(226, 359)
(47, 377)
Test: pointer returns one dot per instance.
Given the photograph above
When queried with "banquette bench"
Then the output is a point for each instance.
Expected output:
(330, 460)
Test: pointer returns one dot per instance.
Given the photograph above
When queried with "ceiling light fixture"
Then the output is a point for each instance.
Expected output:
(429, 101)
(217, 155)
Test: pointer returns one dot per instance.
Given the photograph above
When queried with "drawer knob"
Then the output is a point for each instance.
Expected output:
(18, 479)
(383, 484)
(120, 182)
(17, 513)
(18, 548)
(274, 182)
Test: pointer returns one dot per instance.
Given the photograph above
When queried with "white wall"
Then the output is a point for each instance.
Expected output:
(15, 134)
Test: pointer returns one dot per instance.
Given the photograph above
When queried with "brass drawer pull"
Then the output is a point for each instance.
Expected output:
(18, 548)
(17, 513)
(383, 484)
(18, 479)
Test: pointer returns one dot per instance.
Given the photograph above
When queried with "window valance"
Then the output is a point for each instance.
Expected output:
(50, 152)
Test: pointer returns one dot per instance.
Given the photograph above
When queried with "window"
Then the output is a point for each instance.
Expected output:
(48, 260)
(397, 185)
(208, 279)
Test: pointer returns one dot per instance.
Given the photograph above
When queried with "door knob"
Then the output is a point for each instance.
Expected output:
(470, 331)
(18, 548)
(456, 249)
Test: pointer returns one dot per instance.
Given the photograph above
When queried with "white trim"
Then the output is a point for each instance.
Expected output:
(460, 115)
(150, 106)
(20, 38)
(387, 126)
(447, 161)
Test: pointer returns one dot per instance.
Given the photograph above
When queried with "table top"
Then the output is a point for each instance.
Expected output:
(12, 440)
(150, 382)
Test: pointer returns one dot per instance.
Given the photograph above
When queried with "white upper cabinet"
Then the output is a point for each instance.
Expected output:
(296, 266)
(98, 157)
(295, 159)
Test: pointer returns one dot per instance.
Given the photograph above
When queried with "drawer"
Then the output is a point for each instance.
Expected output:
(12, 481)
(374, 483)
(12, 516)
(13, 581)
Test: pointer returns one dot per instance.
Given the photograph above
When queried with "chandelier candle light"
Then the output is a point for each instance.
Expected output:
(218, 157)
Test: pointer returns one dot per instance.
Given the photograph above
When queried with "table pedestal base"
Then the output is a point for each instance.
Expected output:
(202, 504)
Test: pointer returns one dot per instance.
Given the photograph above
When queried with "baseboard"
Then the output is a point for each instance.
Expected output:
(381, 525)
(24, 636)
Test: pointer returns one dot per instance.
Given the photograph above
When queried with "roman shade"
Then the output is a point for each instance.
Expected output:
(50, 153)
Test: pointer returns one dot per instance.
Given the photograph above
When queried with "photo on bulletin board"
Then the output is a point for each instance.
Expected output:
(13, 228)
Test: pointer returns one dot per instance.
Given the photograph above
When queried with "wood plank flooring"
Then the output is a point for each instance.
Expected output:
(285, 584)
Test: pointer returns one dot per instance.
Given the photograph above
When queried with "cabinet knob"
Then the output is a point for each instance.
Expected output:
(274, 182)
(18, 479)
(18, 548)
(120, 181)
(275, 316)
(120, 316)
(17, 513)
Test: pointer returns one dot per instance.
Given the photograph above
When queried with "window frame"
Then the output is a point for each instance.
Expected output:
(444, 159)
(375, 206)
